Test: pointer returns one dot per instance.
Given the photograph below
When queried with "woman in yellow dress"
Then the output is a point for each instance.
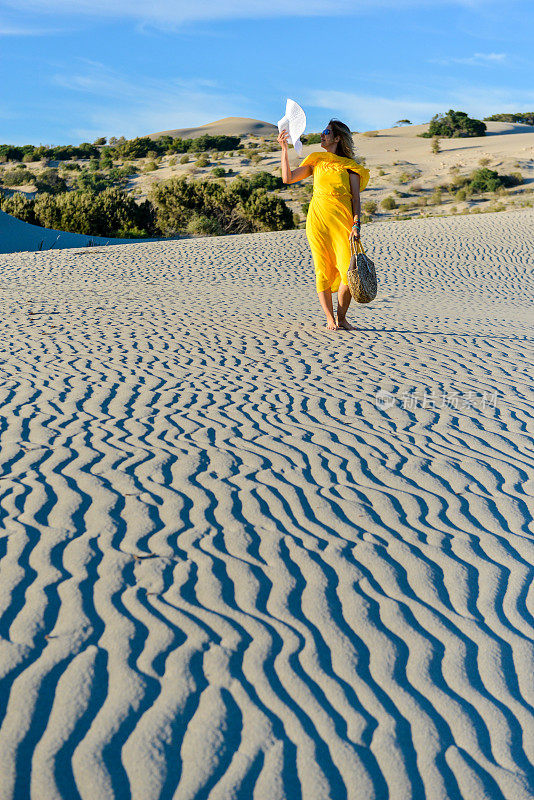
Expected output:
(333, 215)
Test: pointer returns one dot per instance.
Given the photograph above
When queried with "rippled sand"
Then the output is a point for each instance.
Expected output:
(229, 568)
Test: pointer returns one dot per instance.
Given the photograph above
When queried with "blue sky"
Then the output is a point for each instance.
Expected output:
(73, 70)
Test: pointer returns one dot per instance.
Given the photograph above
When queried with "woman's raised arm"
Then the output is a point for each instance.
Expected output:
(288, 175)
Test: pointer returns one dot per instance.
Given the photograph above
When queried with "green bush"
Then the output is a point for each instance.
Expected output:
(388, 203)
(49, 181)
(218, 172)
(265, 180)
(184, 159)
(201, 225)
(19, 206)
(370, 207)
(454, 124)
(485, 180)
(16, 177)
(207, 142)
(526, 117)
(60, 153)
(150, 166)
(311, 138)
(202, 161)
(237, 207)
(108, 213)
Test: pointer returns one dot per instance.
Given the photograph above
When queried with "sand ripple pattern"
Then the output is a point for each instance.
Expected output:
(226, 571)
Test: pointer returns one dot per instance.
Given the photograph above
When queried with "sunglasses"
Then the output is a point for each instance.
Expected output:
(326, 131)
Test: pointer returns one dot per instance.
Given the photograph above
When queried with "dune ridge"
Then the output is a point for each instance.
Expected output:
(227, 571)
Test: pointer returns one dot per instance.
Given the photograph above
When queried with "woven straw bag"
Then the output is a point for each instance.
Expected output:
(361, 274)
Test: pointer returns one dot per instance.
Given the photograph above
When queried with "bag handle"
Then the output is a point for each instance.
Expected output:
(359, 246)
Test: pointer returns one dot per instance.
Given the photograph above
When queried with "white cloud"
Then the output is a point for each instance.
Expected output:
(365, 112)
(17, 30)
(478, 59)
(176, 12)
(371, 112)
(123, 106)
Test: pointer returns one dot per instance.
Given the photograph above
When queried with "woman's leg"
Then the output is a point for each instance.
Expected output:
(325, 298)
(343, 301)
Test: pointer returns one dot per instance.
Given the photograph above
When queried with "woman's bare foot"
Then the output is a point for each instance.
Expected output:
(332, 325)
(342, 323)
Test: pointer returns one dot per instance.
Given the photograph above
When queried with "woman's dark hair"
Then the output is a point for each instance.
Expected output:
(345, 146)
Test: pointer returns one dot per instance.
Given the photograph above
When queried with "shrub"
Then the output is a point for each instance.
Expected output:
(218, 172)
(436, 198)
(150, 166)
(484, 161)
(370, 206)
(202, 225)
(16, 176)
(527, 118)
(207, 142)
(109, 213)
(237, 207)
(266, 180)
(388, 203)
(19, 206)
(370, 133)
(485, 180)
(202, 161)
(381, 172)
(453, 124)
(515, 179)
(98, 181)
(406, 177)
(311, 138)
(184, 159)
(172, 161)
(102, 140)
(49, 181)
(461, 195)
(435, 145)
(458, 182)
(135, 148)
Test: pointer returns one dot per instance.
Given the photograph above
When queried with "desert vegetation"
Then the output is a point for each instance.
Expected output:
(454, 124)
(526, 117)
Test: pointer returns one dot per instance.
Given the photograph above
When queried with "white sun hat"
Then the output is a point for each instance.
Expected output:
(294, 122)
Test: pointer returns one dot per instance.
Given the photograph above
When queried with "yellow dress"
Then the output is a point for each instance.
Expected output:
(330, 216)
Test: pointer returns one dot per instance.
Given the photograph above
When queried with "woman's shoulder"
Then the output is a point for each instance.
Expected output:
(311, 159)
(353, 166)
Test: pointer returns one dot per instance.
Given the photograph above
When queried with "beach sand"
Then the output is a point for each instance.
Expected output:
(243, 556)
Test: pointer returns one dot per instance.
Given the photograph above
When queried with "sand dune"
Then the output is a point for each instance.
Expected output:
(228, 571)
(229, 126)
